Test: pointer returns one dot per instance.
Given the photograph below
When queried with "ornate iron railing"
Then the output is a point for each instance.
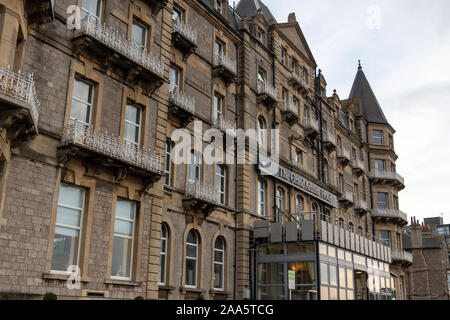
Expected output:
(203, 192)
(402, 256)
(91, 26)
(299, 79)
(390, 213)
(224, 61)
(224, 124)
(377, 174)
(265, 88)
(182, 100)
(21, 88)
(82, 135)
(185, 30)
(289, 106)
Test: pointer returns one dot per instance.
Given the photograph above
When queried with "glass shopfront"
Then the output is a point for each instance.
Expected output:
(344, 275)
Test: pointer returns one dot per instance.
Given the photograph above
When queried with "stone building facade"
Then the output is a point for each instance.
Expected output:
(427, 278)
(87, 143)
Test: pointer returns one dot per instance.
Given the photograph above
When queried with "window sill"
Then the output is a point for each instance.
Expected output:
(166, 288)
(124, 282)
(219, 292)
(195, 290)
(62, 277)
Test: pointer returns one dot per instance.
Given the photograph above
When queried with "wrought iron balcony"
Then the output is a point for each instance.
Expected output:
(19, 104)
(311, 126)
(347, 198)
(358, 166)
(361, 206)
(388, 177)
(111, 47)
(343, 155)
(299, 83)
(391, 214)
(200, 197)
(224, 68)
(290, 110)
(39, 12)
(156, 5)
(184, 37)
(181, 106)
(225, 125)
(267, 94)
(402, 257)
(329, 140)
(81, 140)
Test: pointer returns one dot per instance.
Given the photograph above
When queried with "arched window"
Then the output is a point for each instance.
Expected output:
(164, 253)
(262, 138)
(300, 209)
(280, 204)
(221, 182)
(192, 250)
(261, 197)
(219, 264)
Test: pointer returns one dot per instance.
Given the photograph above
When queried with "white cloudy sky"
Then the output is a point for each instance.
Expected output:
(407, 61)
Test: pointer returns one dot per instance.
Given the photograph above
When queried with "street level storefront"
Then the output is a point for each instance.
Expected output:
(328, 260)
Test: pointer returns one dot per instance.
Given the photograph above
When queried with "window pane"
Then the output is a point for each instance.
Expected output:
(162, 261)
(125, 209)
(93, 6)
(133, 114)
(82, 91)
(192, 237)
(69, 217)
(191, 251)
(324, 273)
(305, 272)
(350, 279)
(324, 293)
(65, 248)
(124, 228)
(80, 111)
(69, 196)
(191, 269)
(333, 294)
(138, 33)
(121, 258)
(333, 275)
(131, 132)
(218, 275)
(218, 256)
(342, 281)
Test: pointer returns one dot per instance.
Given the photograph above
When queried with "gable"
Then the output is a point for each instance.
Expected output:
(294, 35)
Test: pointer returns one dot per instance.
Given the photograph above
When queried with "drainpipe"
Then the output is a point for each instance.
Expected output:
(317, 216)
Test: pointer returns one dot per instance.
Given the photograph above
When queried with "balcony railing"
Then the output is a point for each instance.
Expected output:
(290, 107)
(224, 124)
(182, 100)
(329, 138)
(203, 192)
(185, 30)
(266, 89)
(305, 168)
(390, 213)
(311, 124)
(225, 62)
(343, 154)
(361, 205)
(20, 88)
(358, 164)
(91, 26)
(347, 196)
(387, 175)
(297, 81)
(79, 134)
(402, 256)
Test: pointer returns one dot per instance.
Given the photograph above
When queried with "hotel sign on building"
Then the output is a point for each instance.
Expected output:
(299, 182)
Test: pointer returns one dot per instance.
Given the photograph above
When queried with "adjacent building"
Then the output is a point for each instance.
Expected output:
(428, 278)
(94, 95)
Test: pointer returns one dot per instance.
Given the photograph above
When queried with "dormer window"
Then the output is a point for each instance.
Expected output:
(219, 5)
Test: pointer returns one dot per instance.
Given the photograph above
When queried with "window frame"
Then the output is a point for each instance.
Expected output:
(280, 199)
(99, 8)
(375, 137)
(88, 104)
(168, 167)
(79, 229)
(261, 197)
(194, 157)
(136, 125)
(133, 236)
(222, 263)
(197, 246)
(137, 23)
(164, 253)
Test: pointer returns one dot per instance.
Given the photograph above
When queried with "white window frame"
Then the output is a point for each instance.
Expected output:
(180, 14)
(126, 237)
(196, 166)
(196, 245)
(222, 263)
(375, 142)
(145, 34)
(262, 138)
(299, 157)
(261, 197)
(174, 86)
(224, 178)
(137, 125)
(218, 108)
(79, 229)
(86, 103)
(163, 252)
(300, 203)
(168, 165)
(280, 204)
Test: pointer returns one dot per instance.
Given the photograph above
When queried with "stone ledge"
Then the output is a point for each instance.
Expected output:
(62, 277)
(124, 282)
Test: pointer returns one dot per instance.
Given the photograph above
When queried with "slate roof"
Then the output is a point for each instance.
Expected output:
(234, 20)
(249, 8)
(371, 109)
